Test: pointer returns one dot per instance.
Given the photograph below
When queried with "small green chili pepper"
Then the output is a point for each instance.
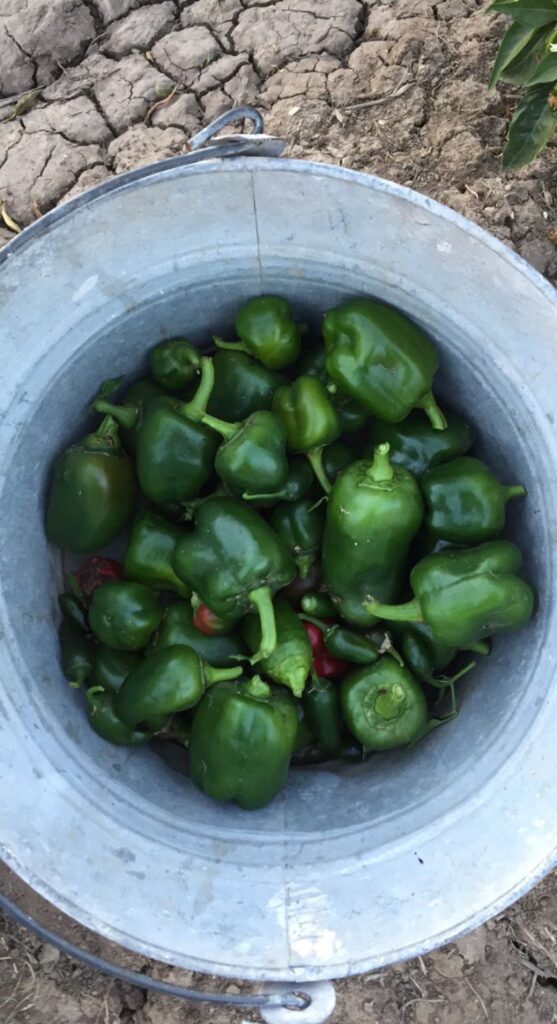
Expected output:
(177, 627)
(318, 604)
(151, 545)
(106, 723)
(310, 420)
(322, 706)
(300, 525)
(174, 363)
(418, 446)
(291, 660)
(77, 653)
(384, 706)
(111, 668)
(124, 615)
(252, 456)
(465, 503)
(242, 386)
(345, 643)
(267, 331)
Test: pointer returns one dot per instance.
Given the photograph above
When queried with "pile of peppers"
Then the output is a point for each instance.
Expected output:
(311, 556)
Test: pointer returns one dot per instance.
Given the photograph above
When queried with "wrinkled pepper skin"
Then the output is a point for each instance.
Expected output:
(107, 724)
(242, 386)
(321, 704)
(299, 482)
(177, 627)
(150, 551)
(291, 660)
(92, 492)
(266, 331)
(373, 512)
(310, 420)
(111, 668)
(381, 359)
(300, 525)
(466, 595)
(465, 503)
(384, 706)
(128, 414)
(174, 363)
(171, 680)
(416, 445)
(124, 615)
(77, 653)
(235, 562)
(242, 739)
(252, 456)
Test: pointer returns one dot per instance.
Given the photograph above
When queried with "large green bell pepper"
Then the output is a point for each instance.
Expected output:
(381, 359)
(291, 660)
(384, 706)
(124, 615)
(242, 386)
(310, 420)
(242, 739)
(465, 503)
(266, 331)
(151, 545)
(418, 446)
(252, 457)
(177, 627)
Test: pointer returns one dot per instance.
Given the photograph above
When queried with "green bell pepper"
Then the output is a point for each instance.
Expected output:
(373, 512)
(300, 525)
(111, 668)
(465, 503)
(465, 595)
(242, 739)
(310, 420)
(242, 386)
(107, 724)
(380, 358)
(235, 562)
(266, 331)
(129, 412)
(384, 706)
(252, 456)
(77, 653)
(151, 545)
(177, 627)
(291, 660)
(351, 415)
(174, 363)
(418, 446)
(92, 491)
(124, 615)
(170, 680)
(300, 479)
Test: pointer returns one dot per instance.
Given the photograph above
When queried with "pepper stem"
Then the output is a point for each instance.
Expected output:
(432, 411)
(479, 647)
(126, 415)
(409, 612)
(106, 436)
(304, 564)
(262, 600)
(234, 346)
(227, 430)
(195, 409)
(315, 459)
(515, 491)
(213, 675)
(443, 685)
(381, 470)
(257, 687)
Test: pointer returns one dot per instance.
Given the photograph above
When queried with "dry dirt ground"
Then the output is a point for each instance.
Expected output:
(396, 88)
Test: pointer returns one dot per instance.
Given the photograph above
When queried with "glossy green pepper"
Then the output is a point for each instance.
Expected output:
(111, 668)
(318, 604)
(345, 643)
(310, 420)
(73, 611)
(106, 723)
(168, 681)
(242, 386)
(300, 479)
(305, 735)
(425, 655)
(242, 739)
(177, 628)
(384, 706)
(351, 415)
(373, 512)
(174, 363)
(77, 653)
(336, 457)
(252, 456)
(291, 660)
(465, 503)
(124, 615)
(465, 595)
(321, 704)
(129, 412)
(300, 525)
(418, 446)
(235, 562)
(380, 358)
(92, 491)
(266, 331)
(151, 545)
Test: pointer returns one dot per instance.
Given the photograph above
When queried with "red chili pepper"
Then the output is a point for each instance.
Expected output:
(325, 666)
(208, 623)
(95, 571)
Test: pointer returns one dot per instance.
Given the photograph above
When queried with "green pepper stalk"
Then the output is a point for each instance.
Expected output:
(291, 660)
(124, 615)
(266, 331)
(235, 562)
(253, 454)
(310, 421)
(173, 679)
(300, 525)
(380, 358)
(465, 595)
(107, 724)
(242, 386)
(151, 545)
(174, 363)
(241, 742)
(418, 446)
(299, 482)
(373, 512)
(177, 627)
(465, 503)
(129, 412)
(92, 491)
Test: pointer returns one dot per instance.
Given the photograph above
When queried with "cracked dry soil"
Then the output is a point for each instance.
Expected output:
(395, 88)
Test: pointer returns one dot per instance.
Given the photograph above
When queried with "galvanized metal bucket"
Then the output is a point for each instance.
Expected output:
(351, 867)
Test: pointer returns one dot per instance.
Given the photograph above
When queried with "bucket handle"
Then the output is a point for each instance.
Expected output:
(206, 145)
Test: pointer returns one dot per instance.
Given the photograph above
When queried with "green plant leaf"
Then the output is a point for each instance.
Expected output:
(516, 38)
(520, 69)
(546, 70)
(528, 12)
(531, 128)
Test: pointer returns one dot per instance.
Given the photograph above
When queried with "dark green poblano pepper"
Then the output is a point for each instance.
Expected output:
(151, 545)
(465, 503)
(266, 331)
(252, 457)
(124, 615)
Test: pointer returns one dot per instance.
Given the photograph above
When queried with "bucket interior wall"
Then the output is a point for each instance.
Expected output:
(117, 306)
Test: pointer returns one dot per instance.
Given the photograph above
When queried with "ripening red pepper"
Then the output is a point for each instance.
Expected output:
(324, 664)
(95, 571)
(208, 623)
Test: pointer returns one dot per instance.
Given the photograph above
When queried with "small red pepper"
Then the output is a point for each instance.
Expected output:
(208, 623)
(324, 664)
(95, 571)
